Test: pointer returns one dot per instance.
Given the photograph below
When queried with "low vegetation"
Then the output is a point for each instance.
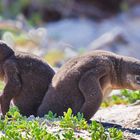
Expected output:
(124, 97)
(16, 127)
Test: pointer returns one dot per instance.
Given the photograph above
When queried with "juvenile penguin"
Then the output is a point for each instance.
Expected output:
(26, 79)
(84, 81)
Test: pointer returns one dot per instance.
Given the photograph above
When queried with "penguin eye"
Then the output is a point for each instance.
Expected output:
(137, 78)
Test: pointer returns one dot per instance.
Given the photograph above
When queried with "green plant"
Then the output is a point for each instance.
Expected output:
(115, 134)
(97, 131)
(125, 97)
(130, 96)
(68, 120)
(71, 121)
(16, 127)
(50, 116)
(81, 122)
(13, 113)
(69, 135)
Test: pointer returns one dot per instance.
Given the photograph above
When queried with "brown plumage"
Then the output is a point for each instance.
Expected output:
(83, 82)
(26, 80)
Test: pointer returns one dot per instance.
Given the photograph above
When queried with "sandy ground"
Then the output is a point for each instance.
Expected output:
(126, 118)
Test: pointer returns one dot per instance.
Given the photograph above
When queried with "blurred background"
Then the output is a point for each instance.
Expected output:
(58, 30)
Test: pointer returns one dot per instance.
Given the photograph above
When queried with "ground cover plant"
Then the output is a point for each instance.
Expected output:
(69, 127)
(124, 97)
